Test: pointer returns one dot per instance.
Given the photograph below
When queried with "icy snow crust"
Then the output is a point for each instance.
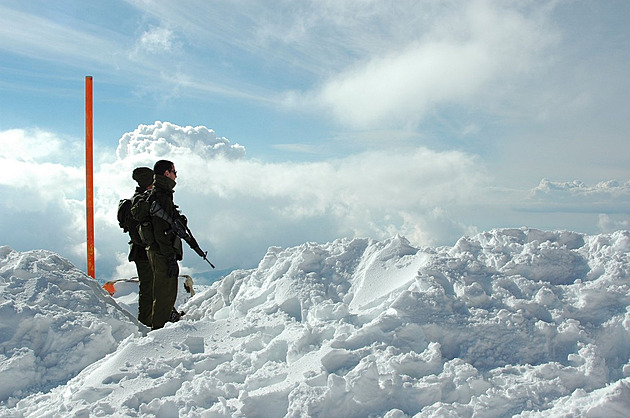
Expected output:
(508, 322)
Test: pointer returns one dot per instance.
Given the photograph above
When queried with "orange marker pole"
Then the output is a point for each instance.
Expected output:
(89, 178)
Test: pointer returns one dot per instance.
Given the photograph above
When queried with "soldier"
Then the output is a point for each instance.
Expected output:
(137, 251)
(166, 248)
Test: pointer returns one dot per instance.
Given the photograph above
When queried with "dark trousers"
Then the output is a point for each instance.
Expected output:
(164, 290)
(145, 292)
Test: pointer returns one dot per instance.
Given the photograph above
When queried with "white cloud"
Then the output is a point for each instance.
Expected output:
(609, 196)
(29, 35)
(463, 55)
(24, 145)
(163, 139)
(40, 164)
(157, 40)
(38, 146)
(610, 223)
(238, 207)
(230, 199)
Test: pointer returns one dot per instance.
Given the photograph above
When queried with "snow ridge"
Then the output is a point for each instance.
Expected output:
(54, 321)
(508, 322)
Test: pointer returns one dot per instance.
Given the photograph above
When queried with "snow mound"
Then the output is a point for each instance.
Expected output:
(508, 322)
(54, 321)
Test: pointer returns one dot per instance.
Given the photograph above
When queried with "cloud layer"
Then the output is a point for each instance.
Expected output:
(241, 206)
(575, 196)
(238, 207)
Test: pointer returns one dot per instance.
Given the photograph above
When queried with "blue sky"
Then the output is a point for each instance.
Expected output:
(432, 119)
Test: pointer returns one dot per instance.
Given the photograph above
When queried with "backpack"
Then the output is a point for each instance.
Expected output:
(126, 220)
(124, 213)
(140, 213)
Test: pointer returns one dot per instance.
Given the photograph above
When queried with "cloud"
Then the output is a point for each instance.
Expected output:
(229, 198)
(238, 207)
(163, 139)
(40, 164)
(610, 223)
(37, 37)
(366, 63)
(157, 40)
(42, 191)
(463, 55)
(24, 145)
(608, 197)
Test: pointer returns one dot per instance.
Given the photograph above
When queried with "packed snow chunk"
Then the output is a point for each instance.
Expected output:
(54, 321)
(547, 262)
(295, 281)
(385, 267)
(611, 401)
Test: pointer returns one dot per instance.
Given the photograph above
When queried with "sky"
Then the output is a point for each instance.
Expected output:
(291, 122)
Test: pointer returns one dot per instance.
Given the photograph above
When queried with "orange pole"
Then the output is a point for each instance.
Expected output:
(89, 177)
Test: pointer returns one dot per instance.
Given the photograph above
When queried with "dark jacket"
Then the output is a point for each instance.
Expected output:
(166, 243)
(137, 250)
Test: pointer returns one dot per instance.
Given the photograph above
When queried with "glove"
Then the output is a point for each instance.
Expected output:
(173, 268)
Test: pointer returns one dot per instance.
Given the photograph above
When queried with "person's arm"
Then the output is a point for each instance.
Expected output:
(163, 240)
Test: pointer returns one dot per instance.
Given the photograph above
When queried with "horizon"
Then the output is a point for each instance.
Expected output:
(318, 121)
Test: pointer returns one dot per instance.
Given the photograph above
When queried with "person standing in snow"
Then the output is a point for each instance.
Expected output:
(166, 248)
(137, 251)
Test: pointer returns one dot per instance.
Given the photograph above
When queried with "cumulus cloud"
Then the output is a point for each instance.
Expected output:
(366, 194)
(162, 139)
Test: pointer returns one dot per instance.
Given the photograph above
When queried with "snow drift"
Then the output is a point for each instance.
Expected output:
(508, 322)
(54, 321)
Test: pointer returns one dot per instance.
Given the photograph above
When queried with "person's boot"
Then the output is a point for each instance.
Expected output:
(175, 316)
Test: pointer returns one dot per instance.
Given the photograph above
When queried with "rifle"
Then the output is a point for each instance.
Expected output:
(180, 229)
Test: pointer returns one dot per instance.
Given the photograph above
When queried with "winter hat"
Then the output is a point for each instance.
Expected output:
(144, 176)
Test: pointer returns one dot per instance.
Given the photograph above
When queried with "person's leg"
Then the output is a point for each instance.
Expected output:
(164, 290)
(145, 291)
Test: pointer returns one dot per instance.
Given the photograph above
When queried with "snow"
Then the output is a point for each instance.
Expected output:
(510, 322)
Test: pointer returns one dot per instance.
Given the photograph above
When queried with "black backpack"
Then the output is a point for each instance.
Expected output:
(124, 213)
(140, 213)
(126, 220)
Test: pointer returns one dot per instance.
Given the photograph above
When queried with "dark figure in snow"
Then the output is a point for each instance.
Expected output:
(137, 251)
(166, 248)
(137, 247)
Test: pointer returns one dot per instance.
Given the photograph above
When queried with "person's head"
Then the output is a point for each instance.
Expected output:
(165, 168)
(143, 176)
